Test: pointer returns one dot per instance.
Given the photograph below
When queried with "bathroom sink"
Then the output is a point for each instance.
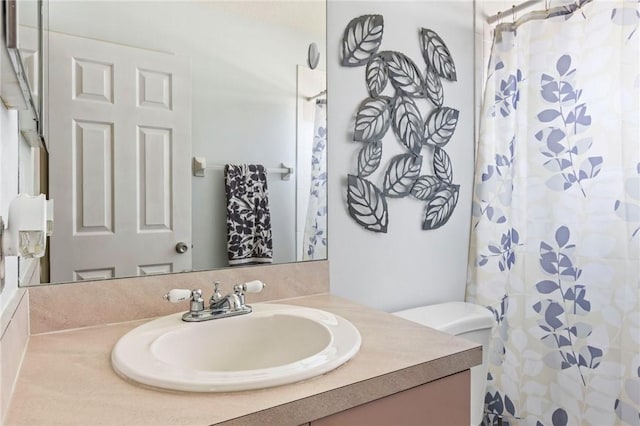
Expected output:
(273, 345)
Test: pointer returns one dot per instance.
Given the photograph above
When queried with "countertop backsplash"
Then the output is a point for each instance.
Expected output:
(84, 304)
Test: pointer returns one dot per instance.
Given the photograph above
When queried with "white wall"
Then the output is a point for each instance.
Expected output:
(8, 191)
(243, 59)
(407, 266)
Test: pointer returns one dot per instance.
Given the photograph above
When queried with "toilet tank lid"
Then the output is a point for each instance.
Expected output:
(451, 317)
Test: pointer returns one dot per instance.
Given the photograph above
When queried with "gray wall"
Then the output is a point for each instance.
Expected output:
(407, 266)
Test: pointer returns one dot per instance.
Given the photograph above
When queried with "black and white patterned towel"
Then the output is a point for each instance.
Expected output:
(248, 218)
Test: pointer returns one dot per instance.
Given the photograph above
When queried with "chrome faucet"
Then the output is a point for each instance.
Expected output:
(219, 306)
(231, 301)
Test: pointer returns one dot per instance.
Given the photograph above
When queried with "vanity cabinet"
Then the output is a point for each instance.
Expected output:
(404, 374)
(441, 402)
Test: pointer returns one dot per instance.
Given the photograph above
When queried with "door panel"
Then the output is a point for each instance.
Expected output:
(155, 178)
(120, 143)
(93, 177)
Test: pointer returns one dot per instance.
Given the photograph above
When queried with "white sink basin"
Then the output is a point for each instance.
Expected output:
(273, 345)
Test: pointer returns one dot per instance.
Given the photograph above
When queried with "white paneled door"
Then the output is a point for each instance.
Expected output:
(120, 150)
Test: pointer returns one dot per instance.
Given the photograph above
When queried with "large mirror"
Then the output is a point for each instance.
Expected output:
(146, 104)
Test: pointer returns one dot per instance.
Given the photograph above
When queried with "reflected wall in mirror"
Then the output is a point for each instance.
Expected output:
(20, 87)
(137, 89)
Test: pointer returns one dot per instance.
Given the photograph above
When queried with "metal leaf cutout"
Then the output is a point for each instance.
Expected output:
(403, 73)
(437, 55)
(440, 207)
(433, 87)
(376, 76)
(440, 126)
(369, 158)
(442, 165)
(425, 187)
(373, 119)
(367, 204)
(361, 39)
(407, 123)
(402, 173)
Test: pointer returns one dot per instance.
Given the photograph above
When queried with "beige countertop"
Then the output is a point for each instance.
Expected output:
(66, 377)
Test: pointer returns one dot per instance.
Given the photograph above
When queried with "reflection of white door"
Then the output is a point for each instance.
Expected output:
(120, 149)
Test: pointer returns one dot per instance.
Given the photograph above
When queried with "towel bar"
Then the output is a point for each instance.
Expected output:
(200, 166)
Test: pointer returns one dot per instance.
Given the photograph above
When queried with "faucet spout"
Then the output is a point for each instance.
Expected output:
(219, 306)
(230, 302)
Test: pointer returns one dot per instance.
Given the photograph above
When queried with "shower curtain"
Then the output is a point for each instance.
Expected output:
(555, 245)
(315, 230)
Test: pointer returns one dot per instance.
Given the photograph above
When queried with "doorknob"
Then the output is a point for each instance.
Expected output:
(182, 247)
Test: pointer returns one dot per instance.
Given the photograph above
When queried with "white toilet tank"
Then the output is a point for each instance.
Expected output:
(472, 322)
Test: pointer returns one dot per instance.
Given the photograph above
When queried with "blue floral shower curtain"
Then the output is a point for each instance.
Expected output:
(555, 245)
(315, 231)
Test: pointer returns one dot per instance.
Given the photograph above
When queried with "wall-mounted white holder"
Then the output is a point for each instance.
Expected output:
(28, 224)
(30, 221)
(49, 217)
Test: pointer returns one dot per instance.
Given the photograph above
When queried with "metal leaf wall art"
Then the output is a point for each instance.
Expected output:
(369, 158)
(361, 40)
(423, 136)
(367, 204)
(373, 119)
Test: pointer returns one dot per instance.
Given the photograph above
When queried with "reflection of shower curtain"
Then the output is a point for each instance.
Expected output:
(315, 230)
(555, 249)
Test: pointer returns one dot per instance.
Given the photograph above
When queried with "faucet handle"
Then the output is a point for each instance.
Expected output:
(254, 286)
(194, 296)
(177, 295)
(216, 296)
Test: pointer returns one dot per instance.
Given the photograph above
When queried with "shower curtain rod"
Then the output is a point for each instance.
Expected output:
(514, 9)
(566, 9)
(310, 98)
